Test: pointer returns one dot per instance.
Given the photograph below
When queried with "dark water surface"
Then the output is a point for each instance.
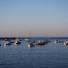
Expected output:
(49, 56)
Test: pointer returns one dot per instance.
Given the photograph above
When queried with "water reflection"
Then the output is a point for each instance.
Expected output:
(17, 45)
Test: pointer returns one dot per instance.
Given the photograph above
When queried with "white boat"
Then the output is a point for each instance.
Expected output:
(11, 41)
(17, 42)
(7, 43)
(66, 43)
(58, 41)
(30, 45)
(41, 42)
(27, 40)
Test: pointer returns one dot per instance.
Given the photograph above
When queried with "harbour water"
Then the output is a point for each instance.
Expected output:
(51, 55)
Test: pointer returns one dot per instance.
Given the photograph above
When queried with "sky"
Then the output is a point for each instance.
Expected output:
(33, 17)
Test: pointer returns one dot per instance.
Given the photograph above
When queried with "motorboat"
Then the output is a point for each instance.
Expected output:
(30, 45)
(17, 42)
(41, 42)
(27, 40)
(11, 41)
(66, 43)
(7, 43)
(58, 41)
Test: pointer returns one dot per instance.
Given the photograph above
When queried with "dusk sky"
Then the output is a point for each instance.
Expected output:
(34, 17)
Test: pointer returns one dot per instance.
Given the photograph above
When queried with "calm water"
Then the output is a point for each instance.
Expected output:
(48, 56)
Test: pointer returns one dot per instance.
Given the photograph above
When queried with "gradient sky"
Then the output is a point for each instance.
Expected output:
(34, 17)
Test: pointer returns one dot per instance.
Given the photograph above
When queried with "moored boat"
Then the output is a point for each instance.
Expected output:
(59, 41)
(66, 43)
(30, 45)
(41, 42)
(17, 42)
(7, 43)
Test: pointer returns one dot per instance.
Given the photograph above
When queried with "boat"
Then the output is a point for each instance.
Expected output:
(30, 45)
(42, 42)
(58, 41)
(17, 42)
(11, 41)
(66, 43)
(7, 43)
(27, 40)
(0, 44)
